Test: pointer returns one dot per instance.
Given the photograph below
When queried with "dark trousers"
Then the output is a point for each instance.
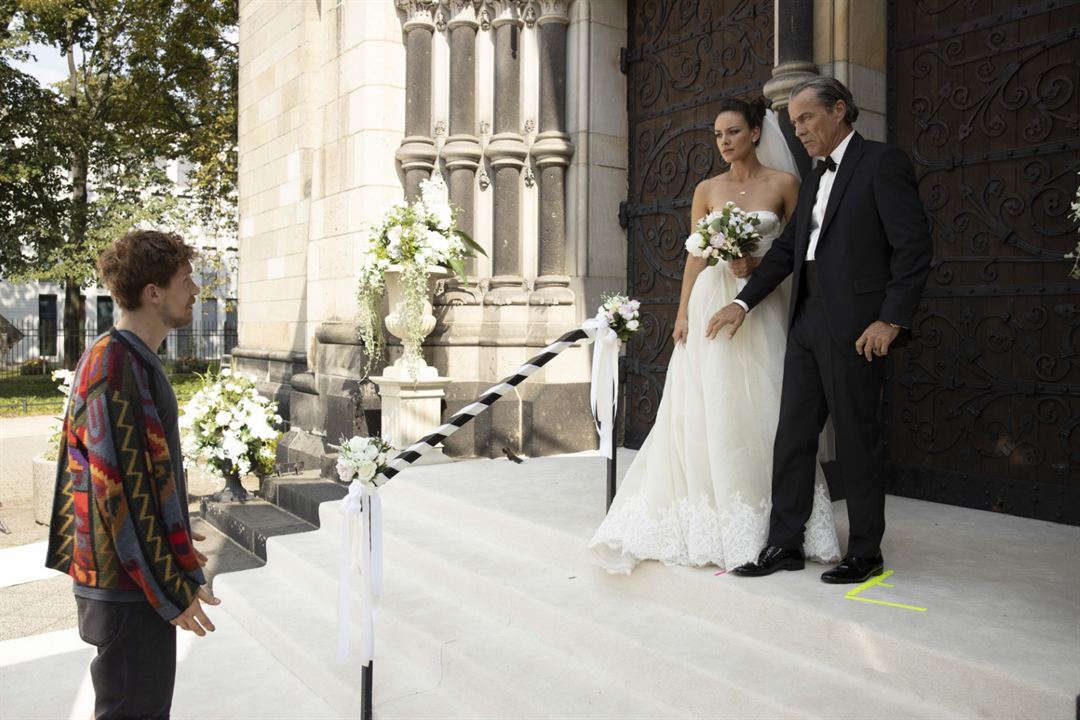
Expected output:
(819, 381)
(135, 667)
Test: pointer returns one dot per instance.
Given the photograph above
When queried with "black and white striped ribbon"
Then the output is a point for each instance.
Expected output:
(461, 418)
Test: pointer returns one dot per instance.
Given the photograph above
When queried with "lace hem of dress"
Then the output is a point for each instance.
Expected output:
(693, 533)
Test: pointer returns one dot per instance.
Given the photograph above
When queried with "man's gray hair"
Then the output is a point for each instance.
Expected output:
(829, 91)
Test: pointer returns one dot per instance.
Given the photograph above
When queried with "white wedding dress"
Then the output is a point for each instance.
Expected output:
(698, 491)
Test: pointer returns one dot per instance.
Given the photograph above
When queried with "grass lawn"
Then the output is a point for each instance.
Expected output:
(37, 394)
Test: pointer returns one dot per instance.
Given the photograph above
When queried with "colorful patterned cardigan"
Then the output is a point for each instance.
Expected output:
(117, 520)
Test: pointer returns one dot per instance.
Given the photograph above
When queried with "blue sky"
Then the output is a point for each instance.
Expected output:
(50, 66)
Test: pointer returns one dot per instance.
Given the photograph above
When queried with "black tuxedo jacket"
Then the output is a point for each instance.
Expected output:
(874, 250)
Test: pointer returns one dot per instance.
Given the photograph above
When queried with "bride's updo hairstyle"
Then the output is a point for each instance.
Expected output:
(753, 111)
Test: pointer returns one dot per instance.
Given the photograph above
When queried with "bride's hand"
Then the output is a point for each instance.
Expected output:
(743, 266)
(682, 327)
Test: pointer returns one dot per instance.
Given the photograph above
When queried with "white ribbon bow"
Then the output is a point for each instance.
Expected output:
(363, 550)
(603, 394)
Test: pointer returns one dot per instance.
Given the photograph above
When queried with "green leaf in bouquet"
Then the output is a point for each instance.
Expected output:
(469, 242)
(458, 266)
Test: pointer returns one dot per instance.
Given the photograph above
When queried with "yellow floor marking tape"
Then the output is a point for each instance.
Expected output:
(879, 580)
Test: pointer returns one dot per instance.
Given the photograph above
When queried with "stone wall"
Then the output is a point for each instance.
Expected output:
(343, 109)
(850, 44)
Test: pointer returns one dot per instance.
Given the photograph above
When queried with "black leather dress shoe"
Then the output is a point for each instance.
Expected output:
(854, 570)
(770, 560)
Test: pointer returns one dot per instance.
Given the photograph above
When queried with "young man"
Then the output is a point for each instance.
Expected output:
(120, 524)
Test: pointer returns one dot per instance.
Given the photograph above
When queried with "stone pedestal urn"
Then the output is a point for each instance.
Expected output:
(44, 475)
(406, 367)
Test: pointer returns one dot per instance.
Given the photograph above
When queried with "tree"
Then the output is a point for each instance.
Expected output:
(148, 81)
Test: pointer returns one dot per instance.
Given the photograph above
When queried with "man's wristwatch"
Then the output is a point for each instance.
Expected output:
(894, 325)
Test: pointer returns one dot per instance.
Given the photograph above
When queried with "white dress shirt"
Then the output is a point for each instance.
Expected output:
(821, 201)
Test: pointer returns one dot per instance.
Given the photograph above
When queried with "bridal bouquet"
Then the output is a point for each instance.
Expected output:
(413, 236)
(362, 458)
(230, 428)
(621, 314)
(725, 234)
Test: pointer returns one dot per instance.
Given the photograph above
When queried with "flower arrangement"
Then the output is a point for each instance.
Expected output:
(229, 428)
(725, 234)
(1075, 254)
(621, 314)
(362, 458)
(413, 236)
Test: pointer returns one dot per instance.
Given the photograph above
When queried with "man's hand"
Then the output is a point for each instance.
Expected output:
(876, 339)
(198, 537)
(731, 314)
(682, 329)
(194, 619)
(742, 267)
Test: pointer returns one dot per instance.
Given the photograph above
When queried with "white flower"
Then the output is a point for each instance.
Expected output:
(226, 372)
(632, 325)
(444, 216)
(365, 470)
(693, 244)
(222, 418)
(439, 243)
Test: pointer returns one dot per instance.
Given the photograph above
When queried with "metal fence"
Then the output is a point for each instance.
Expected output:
(33, 347)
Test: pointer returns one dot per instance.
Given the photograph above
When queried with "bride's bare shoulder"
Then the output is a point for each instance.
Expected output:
(783, 180)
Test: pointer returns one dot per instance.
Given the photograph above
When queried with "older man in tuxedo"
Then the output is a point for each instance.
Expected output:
(859, 249)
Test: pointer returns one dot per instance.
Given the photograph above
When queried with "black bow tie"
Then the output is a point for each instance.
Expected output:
(828, 165)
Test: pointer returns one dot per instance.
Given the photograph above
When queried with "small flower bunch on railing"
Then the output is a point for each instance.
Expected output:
(362, 458)
(726, 234)
(414, 236)
(621, 314)
(1075, 254)
(229, 428)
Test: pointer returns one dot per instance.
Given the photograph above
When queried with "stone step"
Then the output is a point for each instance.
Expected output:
(301, 494)
(945, 657)
(427, 648)
(680, 660)
(249, 524)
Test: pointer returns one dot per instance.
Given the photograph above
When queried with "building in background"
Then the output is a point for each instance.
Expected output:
(36, 309)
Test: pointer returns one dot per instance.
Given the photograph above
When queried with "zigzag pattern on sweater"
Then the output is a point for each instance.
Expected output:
(118, 522)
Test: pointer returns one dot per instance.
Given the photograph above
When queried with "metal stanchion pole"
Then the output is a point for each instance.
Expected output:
(367, 679)
(613, 460)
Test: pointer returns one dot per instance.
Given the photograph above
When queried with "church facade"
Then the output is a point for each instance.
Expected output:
(571, 134)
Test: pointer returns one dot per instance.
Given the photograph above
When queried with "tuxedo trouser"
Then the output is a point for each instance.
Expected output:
(819, 381)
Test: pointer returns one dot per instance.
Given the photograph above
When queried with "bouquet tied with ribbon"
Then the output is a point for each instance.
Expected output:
(617, 320)
(360, 461)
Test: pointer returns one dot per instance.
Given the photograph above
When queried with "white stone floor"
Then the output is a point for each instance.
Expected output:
(1001, 597)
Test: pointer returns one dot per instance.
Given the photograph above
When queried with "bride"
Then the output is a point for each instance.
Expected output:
(697, 492)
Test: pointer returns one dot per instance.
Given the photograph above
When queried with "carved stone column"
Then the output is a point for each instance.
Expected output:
(417, 151)
(552, 152)
(794, 63)
(507, 153)
(462, 149)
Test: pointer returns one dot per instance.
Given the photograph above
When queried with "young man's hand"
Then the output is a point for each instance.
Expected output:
(194, 619)
(198, 537)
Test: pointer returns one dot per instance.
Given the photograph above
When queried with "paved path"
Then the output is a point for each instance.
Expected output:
(21, 438)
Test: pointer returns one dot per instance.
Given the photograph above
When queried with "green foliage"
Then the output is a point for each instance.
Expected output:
(37, 366)
(150, 81)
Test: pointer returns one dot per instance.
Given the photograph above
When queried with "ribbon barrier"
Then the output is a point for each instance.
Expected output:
(361, 506)
(461, 418)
